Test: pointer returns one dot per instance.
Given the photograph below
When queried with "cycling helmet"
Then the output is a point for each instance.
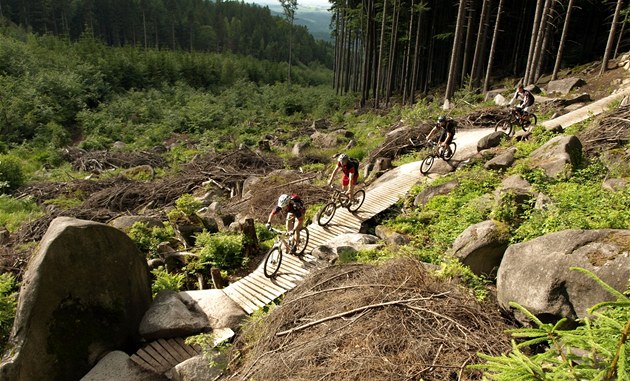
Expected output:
(283, 200)
(343, 158)
(442, 119)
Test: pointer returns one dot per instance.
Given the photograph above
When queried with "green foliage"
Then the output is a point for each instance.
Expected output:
(148, 238)
(582, 204)
(451, 267)
(8, 303)
(220, 250)
(596, 350)
(14, 212)
(163, 280)
(11, 175)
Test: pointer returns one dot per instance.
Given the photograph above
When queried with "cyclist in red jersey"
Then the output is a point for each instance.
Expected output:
(350, 169)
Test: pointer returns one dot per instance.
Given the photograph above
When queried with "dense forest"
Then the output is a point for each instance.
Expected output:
(192, 25)
(383, 49)
(392, 48)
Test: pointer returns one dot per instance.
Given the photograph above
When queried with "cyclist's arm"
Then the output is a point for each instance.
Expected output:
(513, 98)
(431, 133)
(351, 176)
(332, 176)
(273, 213)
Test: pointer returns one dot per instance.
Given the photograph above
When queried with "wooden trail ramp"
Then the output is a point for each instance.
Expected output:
(256, 291)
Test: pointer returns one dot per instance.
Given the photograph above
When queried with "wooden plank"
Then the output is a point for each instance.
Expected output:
(164, 349)
(164, 365)
(144, 364)
(177, 351)
(263, 281)
(239, 298)
(155, 364)
(253, 283)
(252, 294)
(192, 351)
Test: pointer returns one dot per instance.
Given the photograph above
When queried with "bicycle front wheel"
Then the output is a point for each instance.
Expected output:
(446, 155)
(304, 235)
(272, 262)
(326, 214)
(357, 200)
(505, 126)
(532, 122)
(426, 165)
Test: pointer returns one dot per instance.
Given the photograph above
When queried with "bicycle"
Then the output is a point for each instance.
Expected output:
(283, 239)
(436, 152)
(339, 199)
(515, 118)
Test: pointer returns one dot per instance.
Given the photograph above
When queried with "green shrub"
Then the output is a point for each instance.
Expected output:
(148, 238)
(220, 250)
(166, 281)
(14, 212)
(8, 303)
(11, 175)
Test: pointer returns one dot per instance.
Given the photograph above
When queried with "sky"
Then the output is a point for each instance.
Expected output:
(315, 3)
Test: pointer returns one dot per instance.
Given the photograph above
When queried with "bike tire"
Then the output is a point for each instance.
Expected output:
(426, 165)
(273, 260)
(304, 235)
(357, 201)
(326, 214)
(531, 123)
(453, 148)
(504, 126)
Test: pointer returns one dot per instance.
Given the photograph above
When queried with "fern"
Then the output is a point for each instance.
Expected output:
(597, 350)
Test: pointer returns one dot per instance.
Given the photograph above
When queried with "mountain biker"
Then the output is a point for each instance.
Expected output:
(447, 127)
(526, 103)
(350, 169)
(294, 207)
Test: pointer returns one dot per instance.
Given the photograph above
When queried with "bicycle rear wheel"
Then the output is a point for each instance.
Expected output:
(426, 165)
(326, 214)
(357, 200)
(304, 235)
(272, 262)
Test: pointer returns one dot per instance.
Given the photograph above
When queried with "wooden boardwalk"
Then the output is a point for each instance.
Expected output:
(255, 290)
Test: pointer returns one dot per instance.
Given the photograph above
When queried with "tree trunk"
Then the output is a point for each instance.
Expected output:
(407, 59)
(538, 49)
(481, 37)
(563, 38)
(392, 52)
(379, 62)
(532, 42)
(623, 27)
(467, 46)
(611, 38)
(455, 52)
(493, 47)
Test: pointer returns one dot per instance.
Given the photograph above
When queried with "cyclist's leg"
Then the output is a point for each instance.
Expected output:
(289, 226)
(296, 233)
(345, 181)
(447, 145)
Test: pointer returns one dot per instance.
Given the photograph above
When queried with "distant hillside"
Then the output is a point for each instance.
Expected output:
(315, 16)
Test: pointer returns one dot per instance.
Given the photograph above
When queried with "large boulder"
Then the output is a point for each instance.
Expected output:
(171, 316)
(564, 86)
(481, 247)
(117, 365)
(83, 294)
(431, 191)
(560, 155)
(536, 274)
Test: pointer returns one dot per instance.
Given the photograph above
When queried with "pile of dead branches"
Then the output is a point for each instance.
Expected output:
(358, 322)
(259, 203)
(488, 117)
(98, 161)
(401, 141)
(612, 131)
